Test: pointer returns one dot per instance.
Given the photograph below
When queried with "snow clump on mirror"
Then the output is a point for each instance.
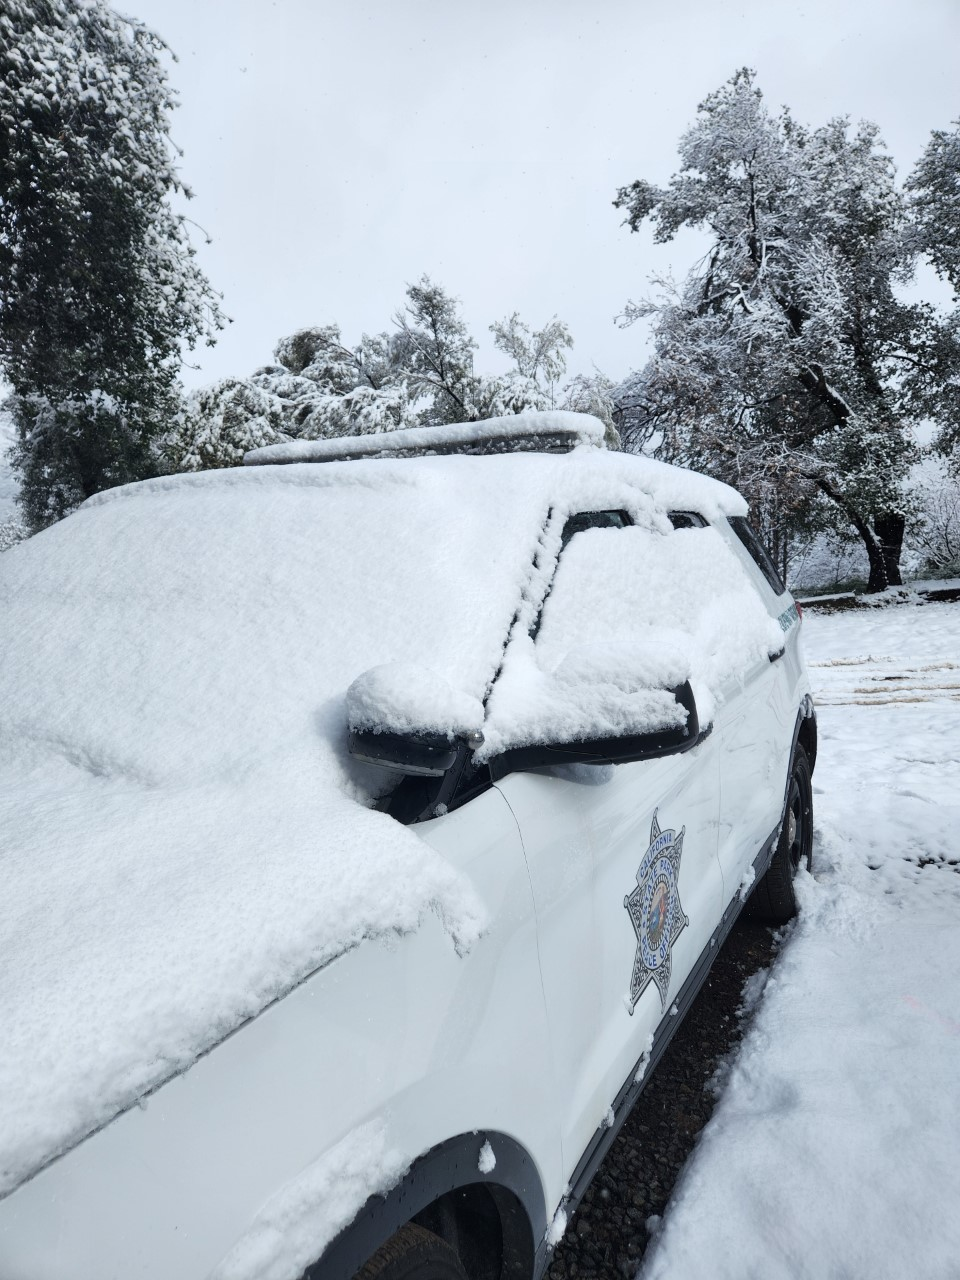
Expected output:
(402, 697)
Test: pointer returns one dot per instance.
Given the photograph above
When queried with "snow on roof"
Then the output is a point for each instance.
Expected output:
(183, 837)
(555, 432)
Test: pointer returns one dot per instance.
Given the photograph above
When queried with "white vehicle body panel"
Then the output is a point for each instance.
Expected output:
(585, 837)
(166, 1191)
(756, 752)
(757, 721)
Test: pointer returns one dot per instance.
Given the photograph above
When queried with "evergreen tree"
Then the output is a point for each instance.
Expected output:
(437, 352)
(98, 283)
(780, 364)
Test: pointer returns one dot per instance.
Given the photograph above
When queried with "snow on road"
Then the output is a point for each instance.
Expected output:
(835, 1149)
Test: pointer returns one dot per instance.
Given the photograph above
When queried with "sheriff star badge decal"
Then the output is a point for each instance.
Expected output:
(656, 913)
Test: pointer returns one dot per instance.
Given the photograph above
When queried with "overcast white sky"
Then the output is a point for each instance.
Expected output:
(338, 150)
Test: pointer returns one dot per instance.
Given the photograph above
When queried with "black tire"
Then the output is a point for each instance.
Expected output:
(774, 899)
(413, 1254)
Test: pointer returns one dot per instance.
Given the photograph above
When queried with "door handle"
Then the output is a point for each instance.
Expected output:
(775, 657)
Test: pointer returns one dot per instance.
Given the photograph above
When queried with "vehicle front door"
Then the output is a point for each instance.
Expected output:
(622, 859)
(758, 713)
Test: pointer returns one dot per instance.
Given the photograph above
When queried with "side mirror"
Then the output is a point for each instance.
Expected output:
(429, 755)
(406, 717)
(621, 750)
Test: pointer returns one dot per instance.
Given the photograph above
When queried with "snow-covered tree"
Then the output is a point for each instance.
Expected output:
(437, 353)
(320, 355)
(779, 363)
(219, 424)
(98, 282)
(422, 374)
(594, 393)
(537, 354)
(934, 535)
(329, 389)
(935, 189)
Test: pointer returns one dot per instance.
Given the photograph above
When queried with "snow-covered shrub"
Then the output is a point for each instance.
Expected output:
(11, 532)
(934, 538)
(220, 423)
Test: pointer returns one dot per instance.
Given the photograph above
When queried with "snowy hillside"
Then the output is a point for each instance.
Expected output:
(835, 1149)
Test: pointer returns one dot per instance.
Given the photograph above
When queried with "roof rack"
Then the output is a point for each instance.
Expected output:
(558, 431)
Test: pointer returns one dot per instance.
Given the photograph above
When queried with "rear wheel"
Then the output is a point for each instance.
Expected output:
(413, 1254)
(774, 898)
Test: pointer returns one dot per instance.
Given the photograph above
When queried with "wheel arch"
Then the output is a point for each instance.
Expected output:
(513, 1190)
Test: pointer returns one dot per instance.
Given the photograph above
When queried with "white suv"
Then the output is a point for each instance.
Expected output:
(370, 828)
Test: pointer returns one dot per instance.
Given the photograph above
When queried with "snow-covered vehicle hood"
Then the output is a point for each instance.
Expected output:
(183, 837)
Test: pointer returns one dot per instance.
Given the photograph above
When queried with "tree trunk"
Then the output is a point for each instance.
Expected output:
(883, 542)
(889, 526)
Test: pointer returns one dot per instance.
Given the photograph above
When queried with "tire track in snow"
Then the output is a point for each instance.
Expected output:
(880, 681)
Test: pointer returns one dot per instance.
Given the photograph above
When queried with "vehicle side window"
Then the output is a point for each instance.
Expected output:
(593, 520)
(629, 609)
(686, 520)
(745, 531)
(638, 585)
(579, 523)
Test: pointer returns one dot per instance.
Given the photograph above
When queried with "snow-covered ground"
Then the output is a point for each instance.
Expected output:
(835, 1148)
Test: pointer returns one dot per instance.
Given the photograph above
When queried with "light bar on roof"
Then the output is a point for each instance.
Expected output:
(553, 432)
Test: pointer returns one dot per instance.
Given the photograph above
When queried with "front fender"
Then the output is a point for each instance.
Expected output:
(403, 1032)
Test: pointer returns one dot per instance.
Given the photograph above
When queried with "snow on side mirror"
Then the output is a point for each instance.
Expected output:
(604, 703)
(406, 717)
(599, 692)
(615, 749)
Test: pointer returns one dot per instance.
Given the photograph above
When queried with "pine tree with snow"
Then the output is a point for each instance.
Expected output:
(98, 282)
(437, 352)
(779, 362)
